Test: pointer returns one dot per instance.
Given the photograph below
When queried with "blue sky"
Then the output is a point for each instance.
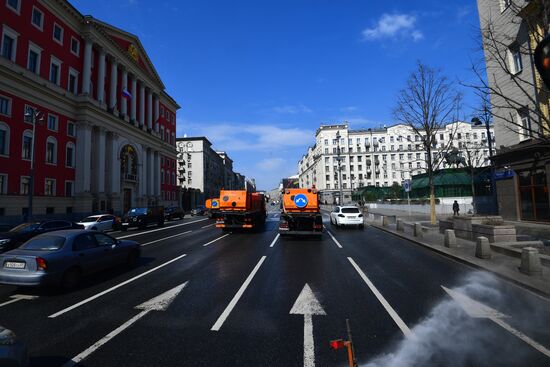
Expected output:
(258, 77)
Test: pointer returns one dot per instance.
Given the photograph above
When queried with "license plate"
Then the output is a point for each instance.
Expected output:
(125, 224)
(14, 265)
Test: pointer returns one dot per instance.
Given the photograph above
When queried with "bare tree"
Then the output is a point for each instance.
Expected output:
(427, 104)
(475, 156)
(519, 99)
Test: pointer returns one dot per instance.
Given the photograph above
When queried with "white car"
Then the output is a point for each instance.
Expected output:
(346, 216)
(101, 222)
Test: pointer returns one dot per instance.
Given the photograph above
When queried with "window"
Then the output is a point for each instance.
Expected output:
(72, 85)
(24, 185)
(14, 5)
(52, 122)
(70, 129)
(4, 139)
(58, 33)
(514, 59)
(5, 106)
(55, 71)
(9, 43)
(49, 187)
(161, 176)
(524, 121)
(37, 18)
(3, 184)
(33, 61)
(104, 240)
(69, 188)
(69, 155)
(75, 46)
(27, 145)
(51, 150)
(83, 242)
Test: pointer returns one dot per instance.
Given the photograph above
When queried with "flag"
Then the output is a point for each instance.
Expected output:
(126, 94)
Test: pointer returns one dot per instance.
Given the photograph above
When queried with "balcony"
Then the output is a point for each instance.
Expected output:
(130, 177)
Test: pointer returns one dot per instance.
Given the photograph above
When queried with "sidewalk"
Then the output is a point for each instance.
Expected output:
(504, 266)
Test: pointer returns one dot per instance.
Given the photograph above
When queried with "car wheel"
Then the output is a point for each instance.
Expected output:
(132, 259)
(71, 278)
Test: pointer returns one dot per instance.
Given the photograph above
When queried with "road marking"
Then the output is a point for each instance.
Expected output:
(404, 328)
(165, 238)
(209, 225)
(275, 240)
(217, 239)
(161, 229)
(17, 298)
(478, 310)
(89, 299)
(334, 239)
(307, 304)
(218, 324)
(159, 303)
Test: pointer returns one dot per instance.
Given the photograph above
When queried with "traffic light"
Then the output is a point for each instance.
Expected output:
(542, 60)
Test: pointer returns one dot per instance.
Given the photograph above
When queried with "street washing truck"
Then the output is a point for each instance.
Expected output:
(301, 214)
(241, 209)
(213, 206)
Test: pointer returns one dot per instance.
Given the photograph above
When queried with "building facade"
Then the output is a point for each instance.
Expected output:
(82, 101)
(520, 105)
(376, 157)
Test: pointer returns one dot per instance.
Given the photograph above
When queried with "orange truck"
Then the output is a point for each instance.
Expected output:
(241, 209)
(213, 206)
(301, 214)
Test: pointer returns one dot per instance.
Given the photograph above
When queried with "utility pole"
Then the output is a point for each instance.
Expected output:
(339, 159)
(35, 116)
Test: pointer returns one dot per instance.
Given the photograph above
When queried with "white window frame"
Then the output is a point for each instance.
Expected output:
(29, 134)
(54, 187)
(72, 188)
(41, 26)
(6, 128)
(4, 186)
(77, 52)
(56, 61)
(16, 11)
(37, 49)
(74, 129)
(525, 133)
(56, 122)
(10, 103)
(73, 156)
(513, 50)
(21, 184)
(74, 73)
(60, 41)
(53, 140)
(12, 34)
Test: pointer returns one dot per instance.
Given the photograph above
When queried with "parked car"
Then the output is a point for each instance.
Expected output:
(142, 217)
(25, 231)
(62, 258)
(346, 216)
(199, 210)
(13, 352)
(101, 222)
(173, 212)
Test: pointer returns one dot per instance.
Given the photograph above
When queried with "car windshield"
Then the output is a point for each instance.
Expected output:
(89, 219)
(350, 210)
(25, 227)
(44, 243)
(137, 211)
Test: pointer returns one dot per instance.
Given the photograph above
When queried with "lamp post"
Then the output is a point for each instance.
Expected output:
(36, 116)
(339, 159)
(476, 121)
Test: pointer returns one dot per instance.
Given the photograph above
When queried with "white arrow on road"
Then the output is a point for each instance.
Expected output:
(17, 298)
(307, 304)
(479, 310)
(159, 303)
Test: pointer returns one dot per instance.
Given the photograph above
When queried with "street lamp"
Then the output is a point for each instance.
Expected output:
(35, 116)
(486, 121)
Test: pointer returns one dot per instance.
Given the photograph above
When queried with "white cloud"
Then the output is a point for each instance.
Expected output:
(392, 26)
(271, 164)
(293, 110)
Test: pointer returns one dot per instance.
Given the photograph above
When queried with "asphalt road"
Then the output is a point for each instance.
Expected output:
(226, 300)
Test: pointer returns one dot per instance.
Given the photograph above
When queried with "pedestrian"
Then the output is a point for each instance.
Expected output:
(456, 208)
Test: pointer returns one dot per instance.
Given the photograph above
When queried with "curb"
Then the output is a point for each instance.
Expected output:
(540, 292)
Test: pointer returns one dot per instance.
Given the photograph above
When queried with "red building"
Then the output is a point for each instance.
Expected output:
(105, 127)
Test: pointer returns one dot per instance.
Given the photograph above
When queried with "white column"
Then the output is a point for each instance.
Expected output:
(100, 160)
(114, 81)
(141, 104)
(150, 172)
(157, 174)
(101, 77)
(87, 71)
(157, 112)
(133, 102)
(143, 171)
(114, 165)
(124, 101)
(149, 109)
(83, 157)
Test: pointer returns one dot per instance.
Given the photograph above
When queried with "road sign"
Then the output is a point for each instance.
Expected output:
(214, 203)
(300, 200)
(407, 185)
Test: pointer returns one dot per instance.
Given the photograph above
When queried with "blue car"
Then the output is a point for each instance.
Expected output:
(62, 258)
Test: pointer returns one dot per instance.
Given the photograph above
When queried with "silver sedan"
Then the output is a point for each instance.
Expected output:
(64, 257)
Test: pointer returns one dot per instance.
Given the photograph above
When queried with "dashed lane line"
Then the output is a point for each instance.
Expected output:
(165, 238)
(275, 240)
(208, 225)
(217, 239)
(334, 239)
(161, 229)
